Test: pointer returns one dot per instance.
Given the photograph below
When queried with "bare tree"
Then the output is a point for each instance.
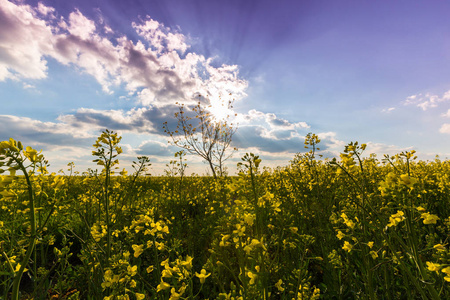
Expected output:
(201, 133)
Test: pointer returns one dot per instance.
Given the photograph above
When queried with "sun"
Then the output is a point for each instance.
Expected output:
(220, 110)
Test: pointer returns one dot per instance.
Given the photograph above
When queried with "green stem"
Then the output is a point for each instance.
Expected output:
(418, 261)
(32, 243)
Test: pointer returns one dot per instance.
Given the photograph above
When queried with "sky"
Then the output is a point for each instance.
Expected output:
(377, 72)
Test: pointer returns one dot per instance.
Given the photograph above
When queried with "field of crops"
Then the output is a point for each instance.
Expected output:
(359, 227)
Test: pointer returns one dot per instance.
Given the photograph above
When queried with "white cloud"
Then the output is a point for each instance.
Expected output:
(333, 146)
(28, 86)
(45, 10)
(160, 37)
(447, 114)
(80, 25)
(274, 122)
(445, 128)
(23, 40)
(159, 74)
(155, 148)
(427, 101)
(381, 149)
(388, 110)
(332, 142)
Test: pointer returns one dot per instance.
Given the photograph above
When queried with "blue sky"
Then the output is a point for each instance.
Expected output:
(373, 71)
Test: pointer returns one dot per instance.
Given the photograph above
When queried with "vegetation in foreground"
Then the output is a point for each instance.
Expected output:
(357, 228)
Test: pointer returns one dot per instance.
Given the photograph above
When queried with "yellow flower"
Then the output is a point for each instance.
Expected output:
(347, 246)
(396, 218)
(347, 221)
(182, 289)
(446, 270)
(249, 219)
(138, 249)
(166, 273)
(278, 285)
(174, 295)
(294, 229)
(123, 172)
(340, 235)
(18, 268)
(407, 180)
(165, 229)
(140, 296)
(433, 267)
(429, 218)
(252, 276)
(43, 170)
(316, 294)
(187, 263)
(133, 283)
(223, 242)
(373, 254)
(160, 246)
(202, 276)
(240, 230)
(439, 247)
(248, 249)
(162, 286)
(370, 244)
(31, 154)
(165, 263)
(132, 270)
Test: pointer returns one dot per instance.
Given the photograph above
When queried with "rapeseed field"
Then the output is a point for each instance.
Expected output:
(357, 227)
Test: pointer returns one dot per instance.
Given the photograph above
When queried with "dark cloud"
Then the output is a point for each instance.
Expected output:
(252, 136)
(143, 120)
(282, 134)
(280, 122)
(273, 142)
(46, 135)
(69, 45)
(107, 119)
